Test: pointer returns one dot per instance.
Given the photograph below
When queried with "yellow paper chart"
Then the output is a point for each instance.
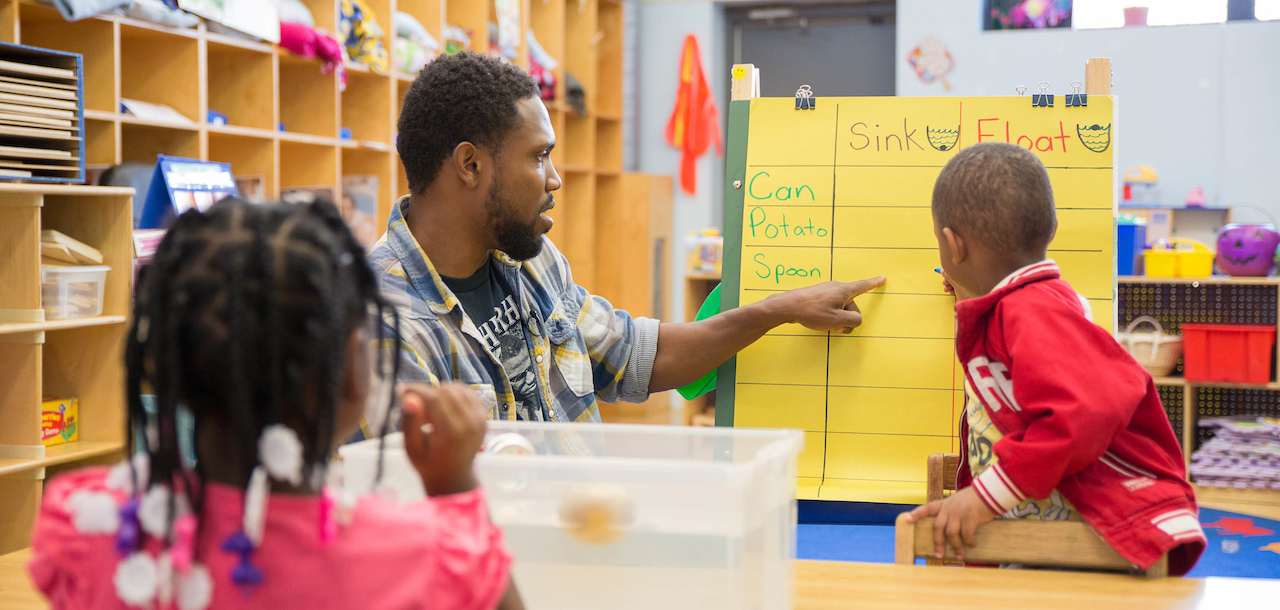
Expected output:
(843, 192)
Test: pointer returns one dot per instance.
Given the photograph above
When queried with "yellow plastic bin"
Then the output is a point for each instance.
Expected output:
(1179, 258)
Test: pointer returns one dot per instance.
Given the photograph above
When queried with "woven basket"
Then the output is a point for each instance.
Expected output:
(1153, 349)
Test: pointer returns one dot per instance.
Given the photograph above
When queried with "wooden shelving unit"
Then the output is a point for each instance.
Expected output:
(80, 358)
(285, 116)
(1187, 396)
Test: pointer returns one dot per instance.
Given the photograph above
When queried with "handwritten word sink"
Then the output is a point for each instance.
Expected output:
(629, 517)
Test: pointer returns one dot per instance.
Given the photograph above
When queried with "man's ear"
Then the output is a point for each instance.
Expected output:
(467, 161)
(956, 242)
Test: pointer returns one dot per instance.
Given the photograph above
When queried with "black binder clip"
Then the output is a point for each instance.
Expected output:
(805, 99)
(1044, 98)
(1075, 99)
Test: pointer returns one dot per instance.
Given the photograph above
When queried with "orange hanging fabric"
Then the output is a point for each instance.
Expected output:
(695, 122)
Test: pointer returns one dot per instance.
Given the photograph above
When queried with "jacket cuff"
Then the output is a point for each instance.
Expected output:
(997, 490)
(644, 350)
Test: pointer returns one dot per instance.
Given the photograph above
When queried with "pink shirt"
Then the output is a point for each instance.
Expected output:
(442, 552)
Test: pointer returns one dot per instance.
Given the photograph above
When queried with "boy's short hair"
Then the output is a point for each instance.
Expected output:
(997, 195)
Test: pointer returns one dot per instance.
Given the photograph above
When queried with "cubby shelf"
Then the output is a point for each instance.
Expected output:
(282, 108)
(60, 454)
(38, 327)
(80, 358)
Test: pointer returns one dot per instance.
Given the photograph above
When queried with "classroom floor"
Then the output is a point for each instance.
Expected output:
(1239, 545)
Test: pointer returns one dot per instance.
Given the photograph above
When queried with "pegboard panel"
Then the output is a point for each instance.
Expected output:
(1174, 304)
(1227, 402)
(1171, 398)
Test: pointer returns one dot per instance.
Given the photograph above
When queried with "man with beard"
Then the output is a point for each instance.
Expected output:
(484, 297)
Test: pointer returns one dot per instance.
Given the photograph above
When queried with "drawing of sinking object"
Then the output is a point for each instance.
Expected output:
(942, 139)
(1095, 137)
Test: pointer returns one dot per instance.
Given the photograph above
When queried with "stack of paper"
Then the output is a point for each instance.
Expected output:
(56, 248)
(41, 115)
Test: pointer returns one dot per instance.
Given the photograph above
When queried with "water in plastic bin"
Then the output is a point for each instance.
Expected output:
(632, 517)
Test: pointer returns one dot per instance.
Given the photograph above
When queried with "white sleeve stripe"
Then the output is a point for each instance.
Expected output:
(1130, 466)
(985, 496)
(993, 483)
(1004, 478)
(1182, 525)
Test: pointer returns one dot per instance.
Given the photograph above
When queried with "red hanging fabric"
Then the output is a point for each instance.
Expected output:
(695, 121)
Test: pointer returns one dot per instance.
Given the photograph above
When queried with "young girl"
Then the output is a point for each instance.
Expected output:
(259, 319)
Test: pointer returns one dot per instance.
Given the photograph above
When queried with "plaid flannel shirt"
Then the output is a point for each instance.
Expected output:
(584, 349)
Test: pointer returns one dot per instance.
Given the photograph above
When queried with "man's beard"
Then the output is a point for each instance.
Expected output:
(516, 238)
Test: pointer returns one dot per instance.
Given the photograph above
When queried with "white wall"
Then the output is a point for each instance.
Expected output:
(1199, 103)
(663, 25)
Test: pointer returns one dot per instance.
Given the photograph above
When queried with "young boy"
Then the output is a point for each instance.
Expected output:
(1060, 422)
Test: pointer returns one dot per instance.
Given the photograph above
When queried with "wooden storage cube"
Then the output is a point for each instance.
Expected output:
(19, 503)
(142, 143)
(74, 366)
(308, 165)
(430, 13)
(580, 52)
(610, 51)
(608, 145)
(579, 140)
(366, 107)
(381, 13)
(546, 19)
(19, 390)
(325, 13)
(633, 244)
(248, 156)
(308, 98)
(242, 85)
(102, 139)
(94, 39)
(577, 223)
(20, 243)
(473, 16)
(9, 22)
(376, 163)
(104, 222)
(163, 68)
(402, 88)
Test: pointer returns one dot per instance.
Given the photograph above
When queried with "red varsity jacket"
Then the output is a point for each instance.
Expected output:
(1079, 415)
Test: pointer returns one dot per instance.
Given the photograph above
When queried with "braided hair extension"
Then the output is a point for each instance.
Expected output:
(243, 318)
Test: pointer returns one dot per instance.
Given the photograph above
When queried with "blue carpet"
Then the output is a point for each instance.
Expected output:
(1238, 545)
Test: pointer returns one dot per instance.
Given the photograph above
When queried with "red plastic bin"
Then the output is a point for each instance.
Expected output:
(1230, 353)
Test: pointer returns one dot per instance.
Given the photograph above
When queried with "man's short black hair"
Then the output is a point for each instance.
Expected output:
(997, 195)
(466, 97)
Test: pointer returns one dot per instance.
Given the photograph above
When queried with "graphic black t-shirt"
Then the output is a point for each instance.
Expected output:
(494, 309)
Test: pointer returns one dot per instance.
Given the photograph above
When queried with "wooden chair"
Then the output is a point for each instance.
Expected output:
(1058, 544)
(941, 475)
(1064, 544)
(941, 478)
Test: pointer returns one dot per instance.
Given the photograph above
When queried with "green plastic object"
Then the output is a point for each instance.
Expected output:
(710, 307)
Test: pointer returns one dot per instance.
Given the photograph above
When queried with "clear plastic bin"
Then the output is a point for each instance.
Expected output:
(72, 292)
(707, 519)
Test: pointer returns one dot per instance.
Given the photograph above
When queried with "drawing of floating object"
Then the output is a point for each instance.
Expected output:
(1095, 137)
(942, 139)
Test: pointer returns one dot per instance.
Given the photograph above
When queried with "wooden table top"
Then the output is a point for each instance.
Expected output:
(823, 585)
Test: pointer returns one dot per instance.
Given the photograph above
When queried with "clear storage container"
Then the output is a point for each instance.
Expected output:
(72, 292)
(630, 517)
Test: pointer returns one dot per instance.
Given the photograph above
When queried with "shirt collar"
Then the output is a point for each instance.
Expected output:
(422, 275)
(1027, 271)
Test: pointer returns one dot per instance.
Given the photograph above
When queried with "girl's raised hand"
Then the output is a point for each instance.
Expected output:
(443, 454)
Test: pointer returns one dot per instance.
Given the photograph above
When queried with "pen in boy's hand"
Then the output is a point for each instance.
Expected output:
(938, 270)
